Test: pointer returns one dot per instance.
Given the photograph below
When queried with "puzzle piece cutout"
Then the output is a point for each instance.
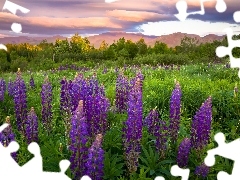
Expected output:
(236, 16)
(182, 7)
(228, 150)
(33, 169)
(12, 7)
(222, 51)
(177, 171)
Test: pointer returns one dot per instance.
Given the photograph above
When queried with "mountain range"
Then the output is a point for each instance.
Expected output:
(171, 40)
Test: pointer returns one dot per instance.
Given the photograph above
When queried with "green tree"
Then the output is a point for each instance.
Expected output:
(131, 48)
(160, 47)
(142, 47)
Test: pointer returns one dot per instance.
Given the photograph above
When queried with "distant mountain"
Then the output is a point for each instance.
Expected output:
(171, 40)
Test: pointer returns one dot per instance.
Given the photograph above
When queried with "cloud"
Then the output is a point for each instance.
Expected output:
(41, 24)
(53, 17)
(136, 16)
(189, 26)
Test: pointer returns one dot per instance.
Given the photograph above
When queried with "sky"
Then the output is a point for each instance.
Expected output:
(90, 17)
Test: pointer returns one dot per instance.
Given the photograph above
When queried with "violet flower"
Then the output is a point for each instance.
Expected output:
(157, 128)
(175, 106)
(46, 96)
(10, 87)
(20, 101)
(78, 141)
(122, 89)
(32, 83)
(32, 127)
(201, 126)
(2, 89)
(7, 136)
(133, 127)
(202, 170)
(95, 162)
(183, 153)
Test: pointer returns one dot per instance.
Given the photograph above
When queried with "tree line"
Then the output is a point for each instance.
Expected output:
(78, 50)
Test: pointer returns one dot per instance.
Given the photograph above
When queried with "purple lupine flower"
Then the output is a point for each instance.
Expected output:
(157, 128)
(78, 141)
(99, 120)
(46, 96)
(76, 90)
(202, 170)
(7, 136)
(2, 89)
(20, 101)
(65, 104)
(95, 162)
(32, 83)
(32, 127)
(93, 85)
(65, 99)
(201, 126)
(175, 106)
(133, 127)
(183, 153)
(104, 70)
(122, 89)
(10, 87)
(133, 80)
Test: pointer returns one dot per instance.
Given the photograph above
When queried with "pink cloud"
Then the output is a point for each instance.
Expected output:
(88, 22)
(135, 16)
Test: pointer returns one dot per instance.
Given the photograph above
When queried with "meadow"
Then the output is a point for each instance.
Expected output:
(63, 134)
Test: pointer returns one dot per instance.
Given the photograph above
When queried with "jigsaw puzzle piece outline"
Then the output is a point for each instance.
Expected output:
(222, 51)
(34, 165)
(226, 150)
(182, 7)
(7, 163)
(236, 16)
(177, 171)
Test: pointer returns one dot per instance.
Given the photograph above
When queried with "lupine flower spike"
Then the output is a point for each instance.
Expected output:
(133, 127)
(20, 101)
(183, 153)
(175, 107)
(32, 127)
(46, 95)
(7, 136)
(202, 170)
(201, 126)
(78, 141)
(157, 128)
(32, 83)
(95, 163)
(10, 87)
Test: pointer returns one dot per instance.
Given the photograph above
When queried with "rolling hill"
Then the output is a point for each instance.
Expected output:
(171, 40)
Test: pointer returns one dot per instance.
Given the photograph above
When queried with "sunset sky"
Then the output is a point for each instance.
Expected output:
(89, 17)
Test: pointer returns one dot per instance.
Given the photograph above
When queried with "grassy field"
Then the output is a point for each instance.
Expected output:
(197, 84)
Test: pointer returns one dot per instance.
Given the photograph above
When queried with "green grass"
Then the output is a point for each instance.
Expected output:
(197, 83)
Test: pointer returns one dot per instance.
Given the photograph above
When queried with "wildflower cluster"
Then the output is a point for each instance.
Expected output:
(133, 127)
(2, 89)
(32, 127)
(157, 128)
(78, 143)
(20, 101)
(46, 97)
(122, 89)
(7, 136)
(175, 106)
(95, 160)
